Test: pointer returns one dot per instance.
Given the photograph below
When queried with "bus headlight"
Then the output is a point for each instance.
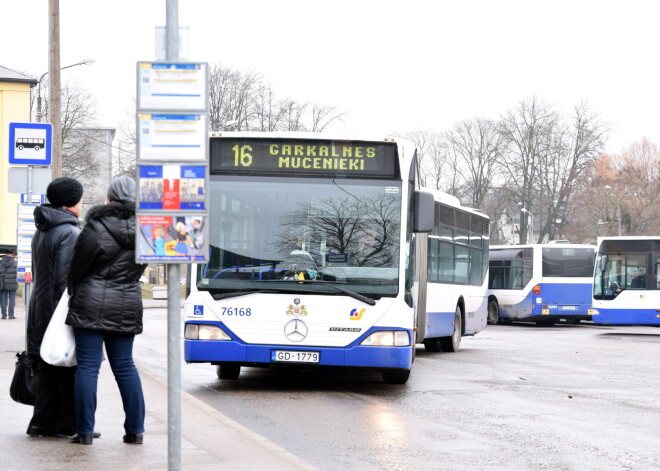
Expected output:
(388, 338)
(205, 332)
(593, 312)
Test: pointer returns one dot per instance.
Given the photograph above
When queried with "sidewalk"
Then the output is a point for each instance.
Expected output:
(209, 440)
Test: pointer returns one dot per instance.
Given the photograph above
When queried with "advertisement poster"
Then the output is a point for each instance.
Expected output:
(172, 187)
(177, 239)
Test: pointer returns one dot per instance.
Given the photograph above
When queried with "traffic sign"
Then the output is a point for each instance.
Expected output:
(30, 143)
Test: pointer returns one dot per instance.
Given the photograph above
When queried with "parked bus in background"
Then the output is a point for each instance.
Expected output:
(540, 283)
(311, 241)
(456, 300)
(626, 283)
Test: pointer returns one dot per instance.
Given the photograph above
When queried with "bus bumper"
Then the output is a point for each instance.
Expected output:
(608, 316)
(353, 355)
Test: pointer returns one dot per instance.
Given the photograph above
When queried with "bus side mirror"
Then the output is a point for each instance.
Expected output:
(424, 211)
(603, 263)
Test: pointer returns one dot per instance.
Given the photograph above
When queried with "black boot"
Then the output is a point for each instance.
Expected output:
(82, 439)
(134, 438)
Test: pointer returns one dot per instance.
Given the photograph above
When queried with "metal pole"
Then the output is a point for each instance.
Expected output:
(26, 287)
(173, 291)
(173, 367)
(54, 85)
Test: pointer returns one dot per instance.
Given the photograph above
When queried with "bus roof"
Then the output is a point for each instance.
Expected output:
(558, 246)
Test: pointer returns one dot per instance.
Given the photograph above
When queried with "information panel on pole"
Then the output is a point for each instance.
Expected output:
(172, 86)
(172, 162)
(172, 136)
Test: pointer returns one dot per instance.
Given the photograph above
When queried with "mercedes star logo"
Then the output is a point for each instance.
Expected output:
(295, 330)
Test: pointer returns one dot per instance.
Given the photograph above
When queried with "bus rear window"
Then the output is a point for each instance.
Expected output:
(568, 262)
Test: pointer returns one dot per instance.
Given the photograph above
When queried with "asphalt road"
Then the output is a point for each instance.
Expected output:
(516, 397)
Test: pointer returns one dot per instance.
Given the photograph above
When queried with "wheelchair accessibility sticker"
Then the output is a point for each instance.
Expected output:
(198, 310)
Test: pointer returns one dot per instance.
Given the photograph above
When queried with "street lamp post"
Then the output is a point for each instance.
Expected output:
(39, 108)
(530, 226)
(617, 215)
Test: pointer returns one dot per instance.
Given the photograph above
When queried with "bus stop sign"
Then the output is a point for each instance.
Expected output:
(30, 143)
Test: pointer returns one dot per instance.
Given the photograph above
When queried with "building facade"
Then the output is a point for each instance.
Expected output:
(14, 108)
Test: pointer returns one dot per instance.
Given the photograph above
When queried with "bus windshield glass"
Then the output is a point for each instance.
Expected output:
(568, 262)
(273, 232)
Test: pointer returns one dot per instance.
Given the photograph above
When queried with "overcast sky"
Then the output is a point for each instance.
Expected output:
(389, 65)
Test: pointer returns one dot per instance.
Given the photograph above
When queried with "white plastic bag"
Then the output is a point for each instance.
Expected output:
(59, 346)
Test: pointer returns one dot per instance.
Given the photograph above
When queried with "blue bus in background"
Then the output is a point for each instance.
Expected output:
(540, 283)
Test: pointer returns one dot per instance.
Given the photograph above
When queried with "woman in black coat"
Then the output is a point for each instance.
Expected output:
(52, 246)
(106, 308)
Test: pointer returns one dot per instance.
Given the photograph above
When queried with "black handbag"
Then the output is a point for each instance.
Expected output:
(23, 383)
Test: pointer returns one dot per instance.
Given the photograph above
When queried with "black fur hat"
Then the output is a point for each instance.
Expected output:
(64, 192)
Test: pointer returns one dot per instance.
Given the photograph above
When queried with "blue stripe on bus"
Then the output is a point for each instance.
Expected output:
(561, 299)
(627, 316)
(353, 355)
(439, 324)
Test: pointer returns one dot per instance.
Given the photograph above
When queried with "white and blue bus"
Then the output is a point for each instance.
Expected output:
(540, 283)
(313, 243)
(455, 300)
(626, 283)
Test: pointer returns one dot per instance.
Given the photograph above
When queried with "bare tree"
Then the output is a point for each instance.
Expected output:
(474, 147)
(529, 141)
(252, 105)
(577, 145)
(126, 148)
(430, 157)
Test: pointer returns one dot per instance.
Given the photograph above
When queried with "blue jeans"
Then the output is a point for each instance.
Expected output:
(5, 296)
(89, 353)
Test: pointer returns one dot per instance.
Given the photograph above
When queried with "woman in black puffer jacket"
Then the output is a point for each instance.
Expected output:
(106, 307)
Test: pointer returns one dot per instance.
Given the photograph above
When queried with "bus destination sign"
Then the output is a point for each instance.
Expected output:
(304, 157)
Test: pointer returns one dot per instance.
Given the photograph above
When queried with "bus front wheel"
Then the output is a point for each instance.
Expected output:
(228, 371)
(396, 376)
(493, 312)
(451, 344)
(20, 147)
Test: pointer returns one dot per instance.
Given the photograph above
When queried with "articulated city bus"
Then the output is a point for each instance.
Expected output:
(626, 282)
(454, 301)
(313, 248)
(542, 283)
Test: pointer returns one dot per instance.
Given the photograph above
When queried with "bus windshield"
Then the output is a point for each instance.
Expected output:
(271, 232)
(568, 262)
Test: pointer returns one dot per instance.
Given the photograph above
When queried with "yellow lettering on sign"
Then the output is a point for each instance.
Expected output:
(334, 152)
(353, 164)
(283, 162)
(342, 164)
(348, 151)
(298, 150)
(358, 152)
(311, 150)
(307, 162)
(371, 152)
(317, 163)
(327, 163)
(286, 149)
(274, 149)
(323, 151)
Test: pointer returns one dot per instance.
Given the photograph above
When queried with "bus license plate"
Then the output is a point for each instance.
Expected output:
(569, 308)
(287, 356)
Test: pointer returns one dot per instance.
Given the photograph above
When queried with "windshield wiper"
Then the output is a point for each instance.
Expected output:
(353, 294)
(220, 296)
